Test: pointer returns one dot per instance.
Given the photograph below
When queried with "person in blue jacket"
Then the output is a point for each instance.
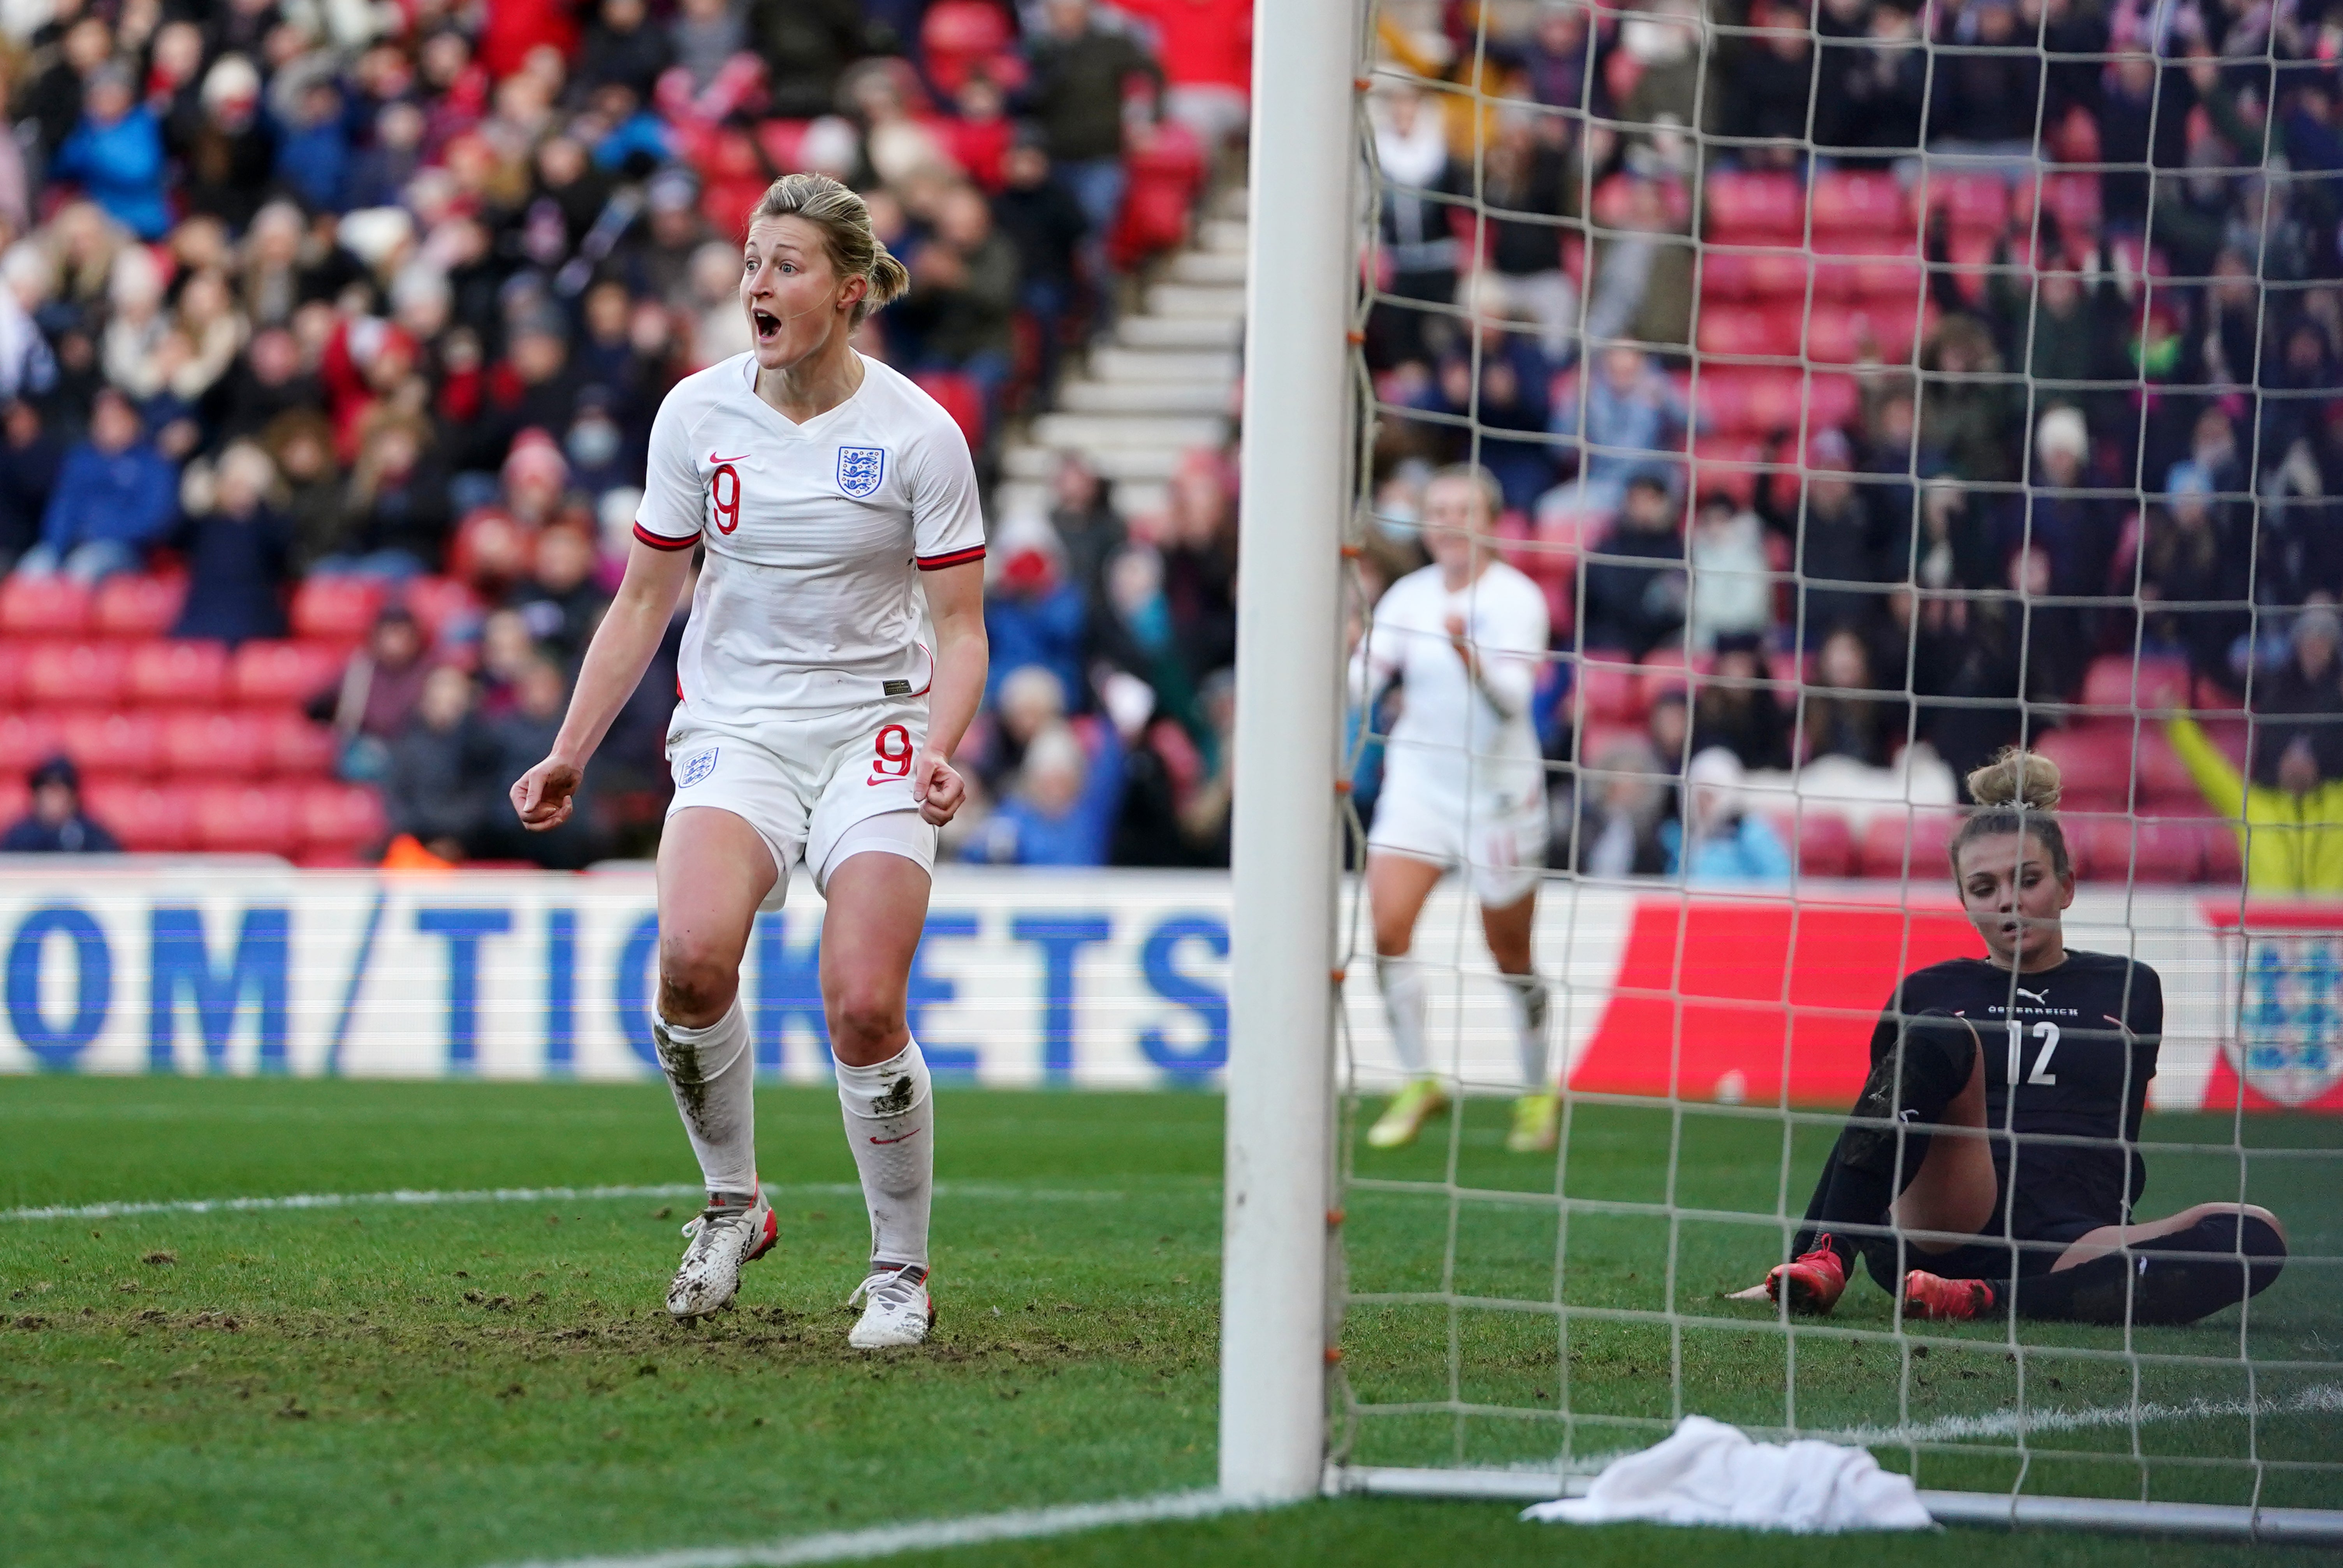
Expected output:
(116, 154)
(1727, 844)
(116, 496)
(1063, 810)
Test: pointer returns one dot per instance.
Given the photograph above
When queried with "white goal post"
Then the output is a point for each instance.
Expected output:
(1296, 1071)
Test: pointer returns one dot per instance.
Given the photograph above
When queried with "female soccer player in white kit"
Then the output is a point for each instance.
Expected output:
(811, 722)
(1464, 786)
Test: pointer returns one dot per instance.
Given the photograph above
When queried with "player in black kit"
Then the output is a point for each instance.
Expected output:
(1993, 1144)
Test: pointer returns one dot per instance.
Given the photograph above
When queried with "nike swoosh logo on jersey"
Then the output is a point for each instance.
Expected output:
(914, 1132)
(714, 459)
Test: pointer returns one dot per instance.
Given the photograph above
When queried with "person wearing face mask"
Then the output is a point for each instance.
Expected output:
(1989, 1165)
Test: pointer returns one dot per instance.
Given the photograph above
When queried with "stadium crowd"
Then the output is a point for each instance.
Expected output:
(330, 339)
(1871, 385)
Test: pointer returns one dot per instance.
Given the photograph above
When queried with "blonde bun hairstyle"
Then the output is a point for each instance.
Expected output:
(2016, 792)
(844, 220)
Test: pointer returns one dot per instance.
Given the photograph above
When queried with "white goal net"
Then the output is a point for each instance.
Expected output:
(1865, 386)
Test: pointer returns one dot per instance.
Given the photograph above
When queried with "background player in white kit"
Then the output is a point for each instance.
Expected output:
(1464, 786)
(811, 722)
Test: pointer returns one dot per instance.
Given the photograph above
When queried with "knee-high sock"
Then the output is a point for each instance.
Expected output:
(1402, 988)
(1527, 996)
(891, 1124)
(2226, 1259)
(1882, 1148)
(713, 1077)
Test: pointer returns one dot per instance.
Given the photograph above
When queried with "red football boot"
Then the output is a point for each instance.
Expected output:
(1938, 1300)
(1815, 1280)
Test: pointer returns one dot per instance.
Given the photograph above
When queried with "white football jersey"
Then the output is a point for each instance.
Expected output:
(815, 533)
(1453, 738)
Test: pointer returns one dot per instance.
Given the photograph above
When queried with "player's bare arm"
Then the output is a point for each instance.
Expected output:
(956, 604)
(615, 661)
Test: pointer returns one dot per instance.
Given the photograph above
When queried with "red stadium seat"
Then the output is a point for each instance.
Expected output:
(2224, 856)
(1821, 840)
(340, 820)
(2112, 847)
(28, 740)
(1726, 465)
(75, 674)
(957, 36)
(1748, 331)
(43, 607)
(266, 672)
(148, 818)
(246, 818)
(194, 674)
(1756, 208)
(1753, 401)
(2094, 760)
(1922, 835)
(1853, 332)
(1978, 203)
(1609, 688)
(1595, 737)
(437, 601)
(128, 743)
(1900, 277)
(961, 399)
(15, 800)
(1869, 204)
(137, 605)
(2160, 683)
(216, 745)
(780, 141)
(13, 655)
(294, 747)
(337, 609)
(2167, 787)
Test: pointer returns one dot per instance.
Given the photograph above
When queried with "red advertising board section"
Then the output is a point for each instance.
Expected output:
(1774, 992)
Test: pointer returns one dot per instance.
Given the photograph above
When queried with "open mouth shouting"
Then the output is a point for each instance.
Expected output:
(768, 326)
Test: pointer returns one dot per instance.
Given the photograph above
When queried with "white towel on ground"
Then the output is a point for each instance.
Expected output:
(1706, 1472)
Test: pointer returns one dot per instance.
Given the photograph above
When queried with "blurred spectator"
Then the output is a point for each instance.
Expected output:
(1768, 88)
(1555, 57)
(395, 522)
(2302, 700)
(1416, 240)
(623, 48)
(56, 823)
(1737, 711)
(1062, 809)
(1511, 395)
(2290, 832)
(1839, 721)
(379, 686)
(116, 496)
(1967, 416)
(560, 601)
(805, 44)
(1207, 56)
(1199, 546)
(1622, 410)
(1622, 800)
(116, 154)
(518, 741)
(439, 784)
(1090, 531)
(1842, 546)
(1524, 173)
(1041, 217)
(2187, 567)
(1667, 725)
(963, 296)
(237, 553)
(1732, 583)
(30, 457)
(1717, 840)
(1633, 585)
(1033, 615)
(1870, 93)
(1080, 74)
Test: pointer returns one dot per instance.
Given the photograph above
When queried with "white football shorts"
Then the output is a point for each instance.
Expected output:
(818, 788)
(1498, 841)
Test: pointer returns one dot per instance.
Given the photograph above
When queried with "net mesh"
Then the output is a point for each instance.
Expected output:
(1865, 390)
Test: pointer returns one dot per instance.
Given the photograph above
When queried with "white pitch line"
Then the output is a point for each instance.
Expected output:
(2320, 1398)
(929, 1535)
(408, 1197)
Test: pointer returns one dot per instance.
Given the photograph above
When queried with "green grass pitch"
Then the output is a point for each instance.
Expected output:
(481, 1382)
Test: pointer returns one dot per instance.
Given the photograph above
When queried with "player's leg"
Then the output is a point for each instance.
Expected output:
(1931, 1073)
(1508, 927)
(1397, 886)
(877, 882)
(2170, 1271)
(714, 869)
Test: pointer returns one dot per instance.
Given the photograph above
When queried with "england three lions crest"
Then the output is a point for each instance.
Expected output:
(859, 469)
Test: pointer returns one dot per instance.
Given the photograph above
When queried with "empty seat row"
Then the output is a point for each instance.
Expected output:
(2107, 848)
(317, 824)
(1864, 208)
(86, 673)
(206, 743)
(333, 610)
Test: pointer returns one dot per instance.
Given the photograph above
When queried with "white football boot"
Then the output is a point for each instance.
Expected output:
(896, 1309)
(730, 1232)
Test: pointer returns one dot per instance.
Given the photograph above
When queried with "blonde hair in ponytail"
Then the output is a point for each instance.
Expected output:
(844, 220)
(2016, 792)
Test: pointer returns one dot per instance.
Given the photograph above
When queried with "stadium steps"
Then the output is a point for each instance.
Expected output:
(1163, 384)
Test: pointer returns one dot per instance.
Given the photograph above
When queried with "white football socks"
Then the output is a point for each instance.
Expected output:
(713, 1076)
(890, 1126)
(1402, 988)
(1527, 994)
